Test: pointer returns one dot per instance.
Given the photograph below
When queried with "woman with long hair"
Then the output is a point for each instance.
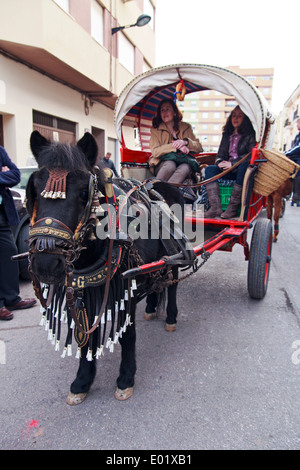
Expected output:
(238, 140)
(171, 142)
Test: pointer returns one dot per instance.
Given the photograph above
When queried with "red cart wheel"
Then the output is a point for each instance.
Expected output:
(260, 259)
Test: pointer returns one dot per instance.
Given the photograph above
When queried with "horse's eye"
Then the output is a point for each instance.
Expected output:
(84, 195)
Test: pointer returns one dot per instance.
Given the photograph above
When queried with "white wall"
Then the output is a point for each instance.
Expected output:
(23, 90)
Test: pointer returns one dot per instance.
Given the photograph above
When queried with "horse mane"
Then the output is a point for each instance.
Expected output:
(69, 157)
(63, 155)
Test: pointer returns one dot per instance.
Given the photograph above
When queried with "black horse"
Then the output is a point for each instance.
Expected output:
(79, 272)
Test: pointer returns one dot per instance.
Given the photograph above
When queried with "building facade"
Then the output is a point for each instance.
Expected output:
(61, 68)
(208, 110)
(286, 129)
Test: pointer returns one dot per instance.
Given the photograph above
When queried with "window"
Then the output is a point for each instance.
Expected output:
(215, 138)
(53, 127)
(217, 104)
(216, 127)
(193, 117)
(97, 22)
(205, 104)
(64, 4)
(295, 115)
(204, 126)
(217, 115)
(205, 115)
(231, 103)
(126, 53)
(266, 91)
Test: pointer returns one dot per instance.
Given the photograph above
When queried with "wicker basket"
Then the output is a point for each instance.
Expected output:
(271, 174)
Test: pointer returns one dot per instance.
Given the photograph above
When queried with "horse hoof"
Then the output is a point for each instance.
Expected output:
(149, 316)
(123, 394)
(170, 327)
(75, 398)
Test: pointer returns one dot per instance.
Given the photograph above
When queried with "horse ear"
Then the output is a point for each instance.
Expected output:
(89, 147)
(37, 141)
(30, 195)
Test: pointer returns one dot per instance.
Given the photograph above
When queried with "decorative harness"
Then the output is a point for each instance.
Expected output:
(53, 236)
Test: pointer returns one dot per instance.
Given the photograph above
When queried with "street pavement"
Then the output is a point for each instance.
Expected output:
(227, 379)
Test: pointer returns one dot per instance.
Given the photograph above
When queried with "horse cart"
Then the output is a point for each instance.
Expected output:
(134, 111)
(87, 272)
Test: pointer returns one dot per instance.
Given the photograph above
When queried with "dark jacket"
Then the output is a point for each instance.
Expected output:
(294, 152)
(245, 145)
(8, 179)
(297, 140)
(109, 164)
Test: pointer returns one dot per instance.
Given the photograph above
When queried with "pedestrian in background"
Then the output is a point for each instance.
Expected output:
(297, 138)
(107, 163)
(294, 154)
(9, 270)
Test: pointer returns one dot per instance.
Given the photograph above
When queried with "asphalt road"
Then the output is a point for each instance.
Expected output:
(228, 378)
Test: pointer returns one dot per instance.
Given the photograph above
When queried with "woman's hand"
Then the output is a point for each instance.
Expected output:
(184, 149)
(224, 165)
(180, 145)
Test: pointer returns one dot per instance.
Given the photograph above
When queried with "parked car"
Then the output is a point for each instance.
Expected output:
(21, 231)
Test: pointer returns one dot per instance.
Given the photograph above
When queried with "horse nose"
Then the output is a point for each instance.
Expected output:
(48, 268)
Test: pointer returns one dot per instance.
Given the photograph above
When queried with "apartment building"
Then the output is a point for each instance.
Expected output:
(286, 129)
(208, 110)
(62, 67)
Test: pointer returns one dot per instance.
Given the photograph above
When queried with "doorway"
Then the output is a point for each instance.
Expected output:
(99, 135)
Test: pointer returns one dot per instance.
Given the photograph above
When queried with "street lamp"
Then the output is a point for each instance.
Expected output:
(141, 21)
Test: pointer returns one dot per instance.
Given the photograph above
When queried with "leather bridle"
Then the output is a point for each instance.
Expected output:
(49, 235)
(52, 236)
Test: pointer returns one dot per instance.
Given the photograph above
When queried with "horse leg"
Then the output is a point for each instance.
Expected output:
(277, 209)
(270, 207)
(125, 380)
(84, 379)
(151, 304)
(172, 309)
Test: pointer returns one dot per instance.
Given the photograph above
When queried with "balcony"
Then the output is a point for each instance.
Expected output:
(48, 40)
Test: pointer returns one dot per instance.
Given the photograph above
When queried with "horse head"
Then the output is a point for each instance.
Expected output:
(60, 197)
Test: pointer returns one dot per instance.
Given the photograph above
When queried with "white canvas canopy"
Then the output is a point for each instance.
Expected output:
(142, 90)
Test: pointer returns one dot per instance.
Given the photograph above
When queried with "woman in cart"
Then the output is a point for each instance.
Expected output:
(238, 140)
(171, 142)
